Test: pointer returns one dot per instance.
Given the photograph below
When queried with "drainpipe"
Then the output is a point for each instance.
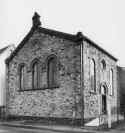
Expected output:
(80, 41)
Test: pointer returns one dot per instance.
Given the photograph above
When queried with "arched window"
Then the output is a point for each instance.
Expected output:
(111, 82)
(22, 76)
(92, 75)
(103, 70)
(35, 75)
(103, 64)
(52, 71)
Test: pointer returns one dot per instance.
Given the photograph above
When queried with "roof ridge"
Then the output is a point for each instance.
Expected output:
(67, 36)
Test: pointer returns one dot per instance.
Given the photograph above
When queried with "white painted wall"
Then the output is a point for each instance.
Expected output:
(3, 56)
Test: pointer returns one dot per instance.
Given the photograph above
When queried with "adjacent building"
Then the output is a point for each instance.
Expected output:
(121, 92)
(56, 75)
(4, 53)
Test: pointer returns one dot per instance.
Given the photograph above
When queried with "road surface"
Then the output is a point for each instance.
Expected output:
(6, 129)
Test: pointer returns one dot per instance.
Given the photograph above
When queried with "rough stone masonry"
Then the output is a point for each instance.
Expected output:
(64, 99)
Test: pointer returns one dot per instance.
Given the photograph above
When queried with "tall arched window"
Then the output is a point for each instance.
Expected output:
(111, 82)
(92, 75)
(35, 73)
(22, 77)
(52, 71)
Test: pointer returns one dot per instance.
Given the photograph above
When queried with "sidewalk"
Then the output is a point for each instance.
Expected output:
(63, 128)
(56, 128)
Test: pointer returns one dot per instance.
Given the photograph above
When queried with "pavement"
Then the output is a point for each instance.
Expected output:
(55, 128)
(6, 129)
(61, 128)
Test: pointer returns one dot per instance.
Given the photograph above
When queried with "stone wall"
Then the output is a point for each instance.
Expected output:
(56, 102)
(63, 101)
(92, 100)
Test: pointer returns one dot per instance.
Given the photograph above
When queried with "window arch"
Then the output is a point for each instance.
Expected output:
(35, 74)
(111, 81)
(52, 71)
(92, 75)
(22, 72)
(103, 64)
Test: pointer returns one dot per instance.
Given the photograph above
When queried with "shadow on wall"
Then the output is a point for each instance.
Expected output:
(122, 103)
(2, 112)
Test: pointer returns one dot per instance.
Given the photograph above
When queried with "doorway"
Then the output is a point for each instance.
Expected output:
(103, 100)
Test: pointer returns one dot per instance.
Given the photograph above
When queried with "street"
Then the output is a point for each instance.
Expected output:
(6, 129)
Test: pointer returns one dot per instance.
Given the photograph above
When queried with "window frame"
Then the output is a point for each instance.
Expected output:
(37, 62)
(92, 62)
(103, 64)
(46, 67)
(22, 65)
(48, 79)
(111, 82)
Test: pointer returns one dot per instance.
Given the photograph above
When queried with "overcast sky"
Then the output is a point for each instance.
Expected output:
(103, 21)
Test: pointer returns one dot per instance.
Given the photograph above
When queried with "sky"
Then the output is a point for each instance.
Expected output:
(103, 21)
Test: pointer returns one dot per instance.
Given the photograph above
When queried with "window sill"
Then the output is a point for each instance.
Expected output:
(49, 88)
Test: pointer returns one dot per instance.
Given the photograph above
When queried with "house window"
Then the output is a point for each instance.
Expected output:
(22, 77)
(111, 82)
(52, 71)
(104, 104)
(103, 64)
(92, 75)
(103, 68)
(35, 77)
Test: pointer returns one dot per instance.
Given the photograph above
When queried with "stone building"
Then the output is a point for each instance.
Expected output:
(121, 90)
(56, 76)
(4, 53)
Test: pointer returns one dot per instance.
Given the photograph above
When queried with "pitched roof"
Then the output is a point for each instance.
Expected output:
(100, 48)
(74, 38)
(58, 34)
(36, 26)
